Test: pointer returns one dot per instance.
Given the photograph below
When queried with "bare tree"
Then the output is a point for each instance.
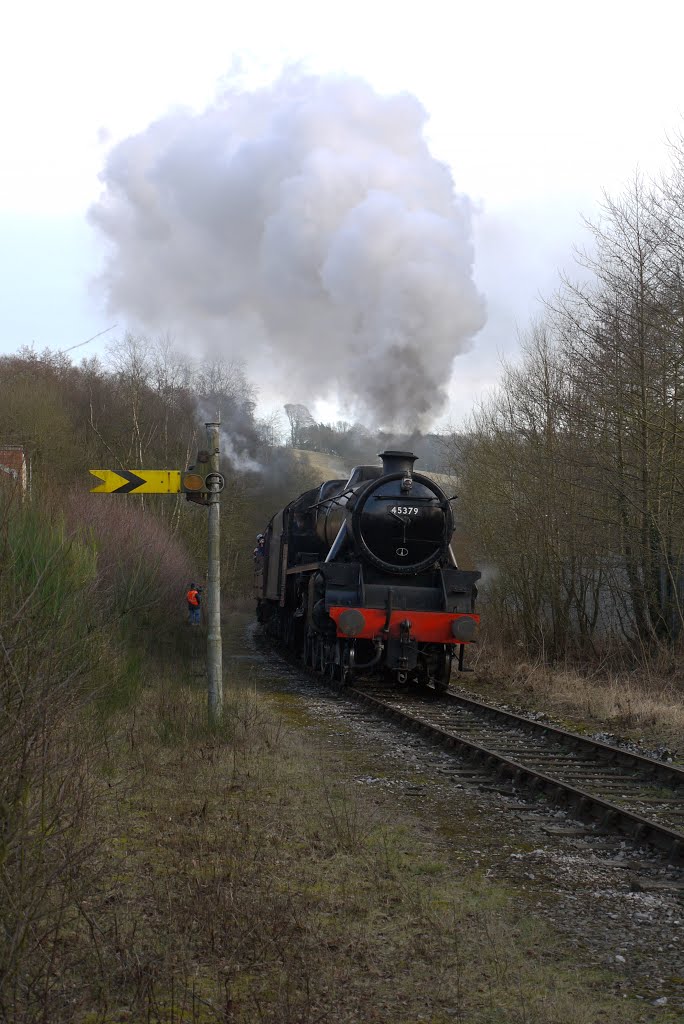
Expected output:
(300, 419)
(576, 464)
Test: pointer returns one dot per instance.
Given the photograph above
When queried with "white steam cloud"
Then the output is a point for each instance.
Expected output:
(304, 227)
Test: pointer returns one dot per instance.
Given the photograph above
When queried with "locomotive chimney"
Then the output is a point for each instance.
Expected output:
(397, 462)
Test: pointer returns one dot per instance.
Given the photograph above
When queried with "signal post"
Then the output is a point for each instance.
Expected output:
(214, 482)
(202, 484)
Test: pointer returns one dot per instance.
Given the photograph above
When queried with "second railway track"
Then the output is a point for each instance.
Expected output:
(604, 785)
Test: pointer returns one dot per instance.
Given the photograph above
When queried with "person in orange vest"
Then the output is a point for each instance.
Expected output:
(194, 600)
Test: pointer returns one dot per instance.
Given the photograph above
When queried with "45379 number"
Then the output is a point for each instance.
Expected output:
(404, 510)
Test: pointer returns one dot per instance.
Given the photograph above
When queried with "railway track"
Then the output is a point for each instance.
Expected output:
(595, 782)
(600, 784)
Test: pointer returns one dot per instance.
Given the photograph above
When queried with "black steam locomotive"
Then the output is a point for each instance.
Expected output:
(359, 576)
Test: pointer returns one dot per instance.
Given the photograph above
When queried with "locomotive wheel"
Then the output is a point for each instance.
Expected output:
(315, 653)
(440, 679)
(346, 673)
(421, 678)
(308, 649)
(332, 667)
(289, 632)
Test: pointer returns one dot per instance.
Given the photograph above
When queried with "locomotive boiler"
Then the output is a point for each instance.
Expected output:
(358, 576)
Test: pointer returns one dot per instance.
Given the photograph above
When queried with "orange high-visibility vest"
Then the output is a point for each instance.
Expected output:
(193, 598)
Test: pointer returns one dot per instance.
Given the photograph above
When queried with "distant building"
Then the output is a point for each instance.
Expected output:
(14, 463)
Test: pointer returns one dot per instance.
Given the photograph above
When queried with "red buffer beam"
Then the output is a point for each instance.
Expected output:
(426, 627)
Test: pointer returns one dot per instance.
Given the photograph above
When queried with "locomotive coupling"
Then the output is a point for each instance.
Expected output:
(407, 647)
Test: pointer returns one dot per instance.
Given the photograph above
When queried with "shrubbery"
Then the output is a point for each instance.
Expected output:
(76, 587)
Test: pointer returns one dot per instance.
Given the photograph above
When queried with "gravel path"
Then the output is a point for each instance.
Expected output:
(617, 906)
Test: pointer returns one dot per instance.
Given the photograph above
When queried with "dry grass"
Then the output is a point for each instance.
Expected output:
(236, 878)
(646, 703)
(332, 467)
(155, 870)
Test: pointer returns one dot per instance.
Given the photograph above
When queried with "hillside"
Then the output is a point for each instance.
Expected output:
(332, 467)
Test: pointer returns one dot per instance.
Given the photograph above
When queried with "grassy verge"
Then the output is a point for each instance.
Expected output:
(72, 651)
(235, 878)
(645, 703)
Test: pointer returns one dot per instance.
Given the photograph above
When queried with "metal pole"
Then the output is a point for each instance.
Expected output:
(214, 645)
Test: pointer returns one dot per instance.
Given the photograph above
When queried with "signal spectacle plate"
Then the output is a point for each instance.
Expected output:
(215, 481)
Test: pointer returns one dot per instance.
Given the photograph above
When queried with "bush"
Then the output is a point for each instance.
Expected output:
(71, 586)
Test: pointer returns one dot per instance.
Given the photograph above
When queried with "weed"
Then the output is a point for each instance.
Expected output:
(636, 702)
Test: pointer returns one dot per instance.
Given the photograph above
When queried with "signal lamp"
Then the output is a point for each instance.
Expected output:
(192, 482)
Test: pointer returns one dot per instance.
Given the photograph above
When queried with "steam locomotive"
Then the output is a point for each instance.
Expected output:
(358, 576)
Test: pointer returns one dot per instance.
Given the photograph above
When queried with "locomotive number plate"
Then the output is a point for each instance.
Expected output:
(404, 510)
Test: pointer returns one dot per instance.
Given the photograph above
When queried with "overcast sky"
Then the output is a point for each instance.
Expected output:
(536, 107)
